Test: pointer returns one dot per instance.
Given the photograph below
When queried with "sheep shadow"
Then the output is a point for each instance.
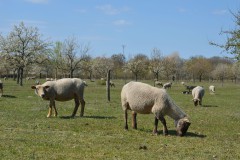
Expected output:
(174, 133)
(8, 96)
(209, 106)
(94, 117)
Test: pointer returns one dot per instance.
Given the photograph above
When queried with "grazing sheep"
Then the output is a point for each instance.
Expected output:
(198, 93)
(158, 83)
(1, 88)
(167, 85)
(185, 92)
(183, 83)
(212, 89)
(190, 88)
(145, 99)
(62, 90)
(112, 84)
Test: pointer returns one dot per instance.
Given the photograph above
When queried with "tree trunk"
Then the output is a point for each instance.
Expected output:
(21, 77)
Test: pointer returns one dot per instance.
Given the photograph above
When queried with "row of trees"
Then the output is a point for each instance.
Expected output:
(24, 53)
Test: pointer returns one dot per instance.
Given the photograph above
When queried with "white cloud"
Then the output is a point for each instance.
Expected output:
(38, 1)
(121, 22)
(110, 10)
(220, 12)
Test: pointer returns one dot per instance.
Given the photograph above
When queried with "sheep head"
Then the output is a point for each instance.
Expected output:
(41, 91)
(182, 126)
(196, 101)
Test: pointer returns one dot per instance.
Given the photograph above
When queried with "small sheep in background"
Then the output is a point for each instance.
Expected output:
(1, 88)
(62, 90)
(112, 84)
(28, 78)
(183, 83)
(212, 89)
(198, 93)
(49, 79)
(145, 99)
(167, 85)
(158, 83)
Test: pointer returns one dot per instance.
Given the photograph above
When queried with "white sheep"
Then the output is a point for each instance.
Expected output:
(167, 85)
(212, 89)
(198, 93)
(1, 88)
(62, 90)
(145, 99)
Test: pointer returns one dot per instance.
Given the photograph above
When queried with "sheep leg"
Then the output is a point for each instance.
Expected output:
(55, 109)
(50, 109)
(82, 107)
(155, 126)
(126, 118)
(134, 120)
(165, 130)
(76, 107)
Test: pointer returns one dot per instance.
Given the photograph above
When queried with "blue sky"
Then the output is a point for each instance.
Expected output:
(183, 26)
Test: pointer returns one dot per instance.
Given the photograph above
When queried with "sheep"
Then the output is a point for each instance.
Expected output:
(158, 83)
(62, 90)
(183, 83)
(212, 89)
(190, 88)
(112, 84)
(1, 88)
(28, 78)
(167, 85)
(49, 79)
(198, 93)
(145, 99)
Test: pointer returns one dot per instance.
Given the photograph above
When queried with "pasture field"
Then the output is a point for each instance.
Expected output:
(26, 133)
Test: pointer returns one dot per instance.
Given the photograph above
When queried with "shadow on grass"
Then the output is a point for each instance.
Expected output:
(9, 96)
(174, 133)
(210, 106)
(94, 117)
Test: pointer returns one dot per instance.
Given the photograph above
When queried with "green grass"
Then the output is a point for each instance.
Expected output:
(26, 133)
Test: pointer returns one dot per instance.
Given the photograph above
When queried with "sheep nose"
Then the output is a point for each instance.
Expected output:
(42, 95)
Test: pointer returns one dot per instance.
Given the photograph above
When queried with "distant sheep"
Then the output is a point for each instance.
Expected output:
(28, 78)
(167, 85)
(145, 99)
(49, 79)
(62, 90)
(198, 93)
(183, 83)
(212, 89)
(1, 88)
(158, 83)
(190, 88)
(112, 84)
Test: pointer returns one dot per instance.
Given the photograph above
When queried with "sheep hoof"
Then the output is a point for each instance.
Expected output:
(155, 132)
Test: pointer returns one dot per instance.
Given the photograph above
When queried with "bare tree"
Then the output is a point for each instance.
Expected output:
(138, 65)
(23, 47)
(73, 53)
(155, 64)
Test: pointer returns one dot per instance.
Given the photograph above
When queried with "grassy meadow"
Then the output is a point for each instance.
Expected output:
(26, 133)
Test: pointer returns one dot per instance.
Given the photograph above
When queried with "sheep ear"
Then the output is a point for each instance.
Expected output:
(46, 87)
(33, 87)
